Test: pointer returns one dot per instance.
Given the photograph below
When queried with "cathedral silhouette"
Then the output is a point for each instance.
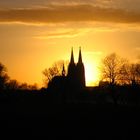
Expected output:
(75, 78)
(76, 72)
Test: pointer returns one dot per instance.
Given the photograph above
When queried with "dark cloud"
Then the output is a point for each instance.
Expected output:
(69, 13)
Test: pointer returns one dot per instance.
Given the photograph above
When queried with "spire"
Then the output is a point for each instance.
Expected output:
(63, 70)
(72, 57)
(80, 56)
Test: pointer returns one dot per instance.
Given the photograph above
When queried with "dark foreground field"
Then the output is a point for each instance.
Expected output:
(25, 117)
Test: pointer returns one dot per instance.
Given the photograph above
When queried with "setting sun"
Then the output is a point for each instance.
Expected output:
(91, 61)
(92, 74)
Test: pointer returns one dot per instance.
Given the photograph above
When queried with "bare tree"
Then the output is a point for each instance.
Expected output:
(111, 66)
(24, 86)
(33, 87)
(12, 85)
(130, 74)
(3, 76)
(138, 73)
(55, 70)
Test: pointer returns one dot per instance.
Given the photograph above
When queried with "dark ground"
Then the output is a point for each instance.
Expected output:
(35, 118)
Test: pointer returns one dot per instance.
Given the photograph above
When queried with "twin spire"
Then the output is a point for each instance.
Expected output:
(72, 57)
(79, 58)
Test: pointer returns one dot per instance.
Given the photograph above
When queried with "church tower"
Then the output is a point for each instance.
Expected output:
(63, 71)
(76, 72)
(72, 66)
(80, 71)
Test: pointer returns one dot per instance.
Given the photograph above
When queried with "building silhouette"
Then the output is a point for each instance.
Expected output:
(74, 80)
(76, 72)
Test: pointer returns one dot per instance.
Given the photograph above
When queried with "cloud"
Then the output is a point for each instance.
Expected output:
(69, 13)
(58, 35)
(63, 33)
(133, 5)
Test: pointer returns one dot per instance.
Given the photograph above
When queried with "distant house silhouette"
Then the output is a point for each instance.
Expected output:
(74, 80)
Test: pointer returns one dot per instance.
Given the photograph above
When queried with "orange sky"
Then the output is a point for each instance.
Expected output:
(33, 35)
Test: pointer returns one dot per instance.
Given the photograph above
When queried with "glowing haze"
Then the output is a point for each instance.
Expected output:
(36, 33)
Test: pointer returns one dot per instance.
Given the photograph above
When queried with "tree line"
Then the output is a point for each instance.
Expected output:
(11, 84)
(114, 70)
(119, 71)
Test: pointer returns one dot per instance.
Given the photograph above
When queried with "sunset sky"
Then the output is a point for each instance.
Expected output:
(36, 33)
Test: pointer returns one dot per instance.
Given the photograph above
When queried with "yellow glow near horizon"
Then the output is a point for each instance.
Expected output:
(91, 60)
(35, 48)
(91, 74)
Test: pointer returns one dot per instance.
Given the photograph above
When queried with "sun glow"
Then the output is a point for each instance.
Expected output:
(92, 74)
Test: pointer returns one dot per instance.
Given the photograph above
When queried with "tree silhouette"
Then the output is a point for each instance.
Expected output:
(33, 87)
(12, 85)
(55, 70)
(130, 74)
(15, 85)
(3, 76)
(111, 66)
